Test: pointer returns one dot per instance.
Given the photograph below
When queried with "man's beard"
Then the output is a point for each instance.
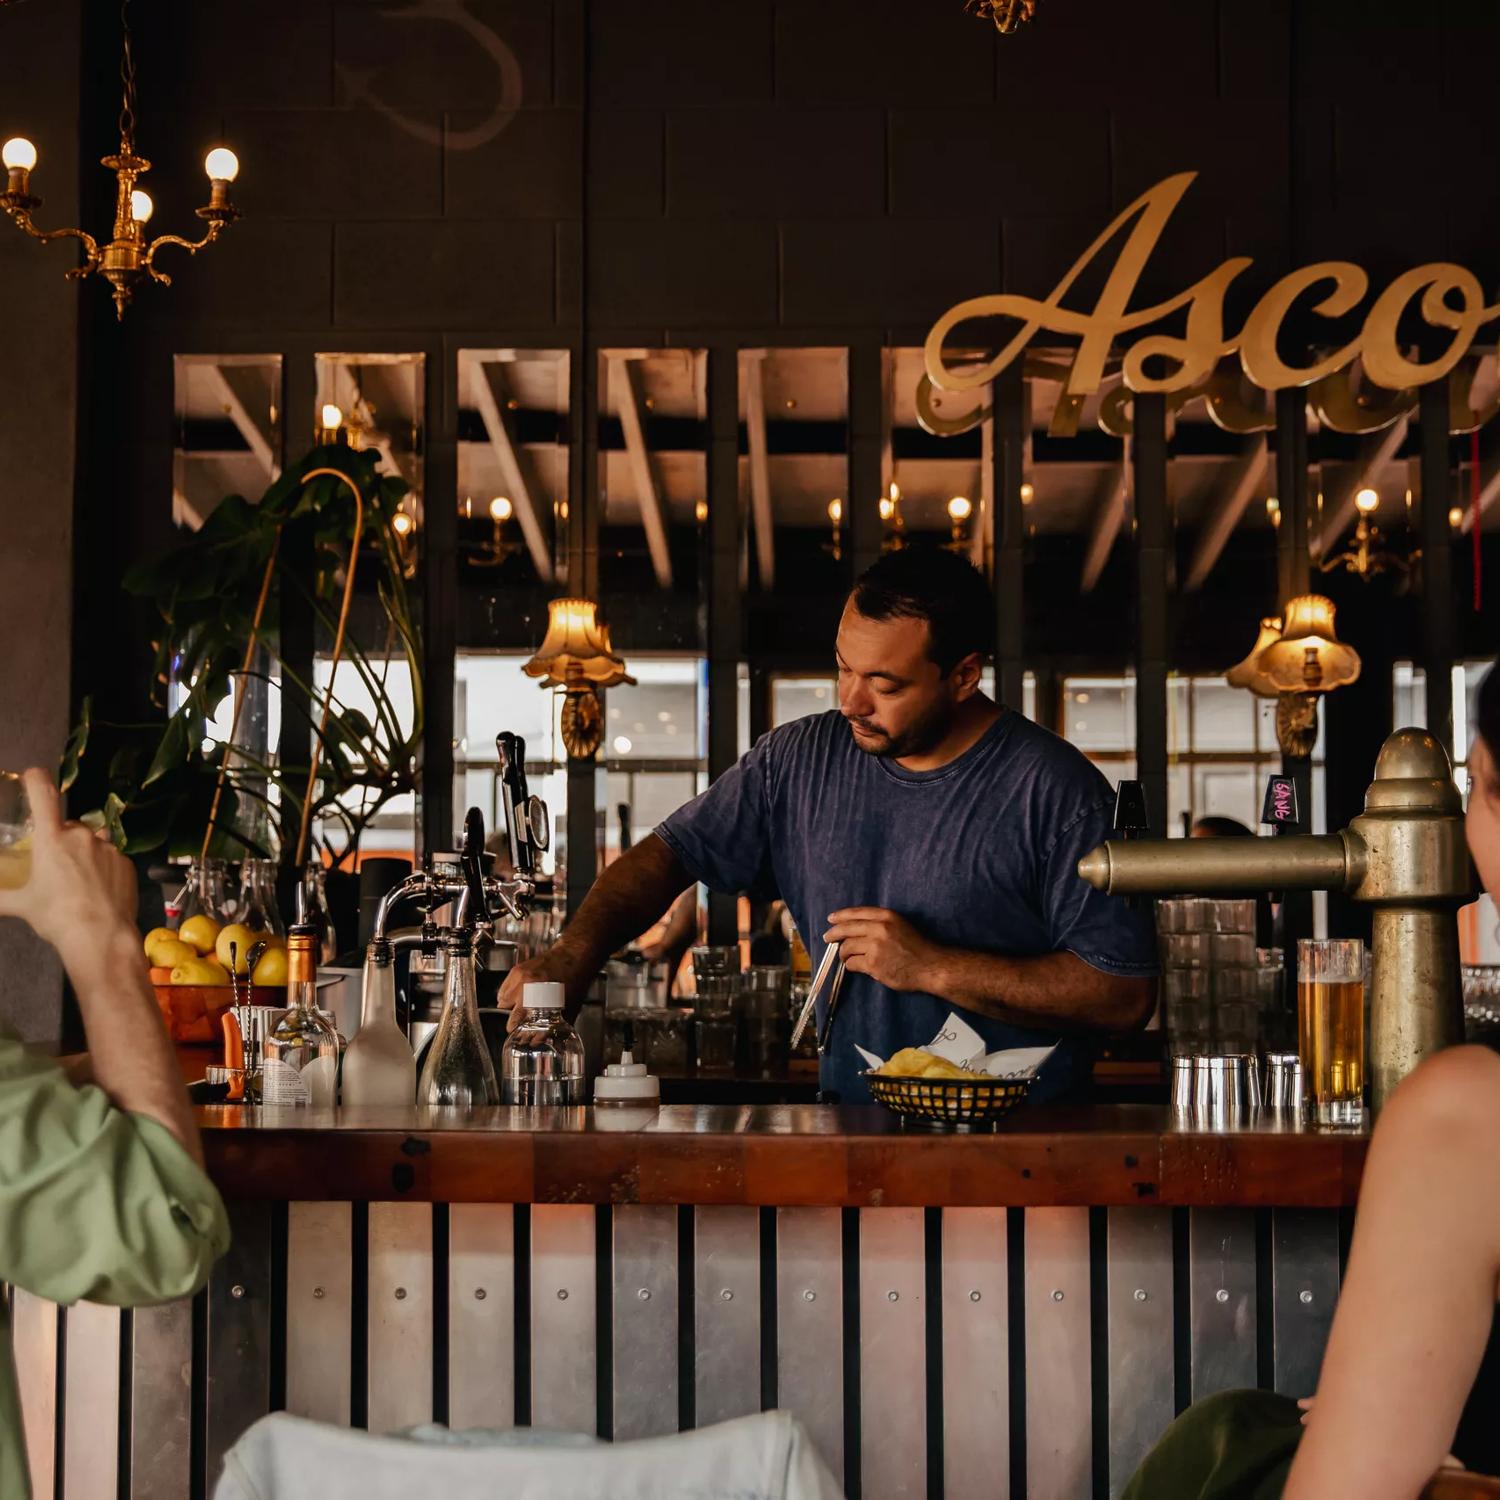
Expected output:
(920, 736)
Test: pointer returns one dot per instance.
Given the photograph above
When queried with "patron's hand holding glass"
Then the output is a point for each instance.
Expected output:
(78, 882)
(883, 945)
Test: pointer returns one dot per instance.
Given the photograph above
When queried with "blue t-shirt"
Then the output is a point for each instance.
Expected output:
(980, 854)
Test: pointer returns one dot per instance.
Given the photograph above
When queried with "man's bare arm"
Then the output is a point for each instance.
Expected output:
(625, 900)
(1052, 992)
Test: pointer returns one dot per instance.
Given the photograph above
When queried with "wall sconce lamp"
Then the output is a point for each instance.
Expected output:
(960, 509)
(577, 656)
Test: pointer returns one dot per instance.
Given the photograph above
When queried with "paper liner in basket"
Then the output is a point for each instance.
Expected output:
(957, 1042)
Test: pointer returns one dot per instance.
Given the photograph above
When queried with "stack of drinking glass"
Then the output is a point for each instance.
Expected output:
(716, 978)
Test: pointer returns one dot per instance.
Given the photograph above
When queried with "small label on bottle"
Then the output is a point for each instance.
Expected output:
(281, 1083)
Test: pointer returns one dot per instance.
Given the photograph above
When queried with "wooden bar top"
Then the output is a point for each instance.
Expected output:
(785, 1155)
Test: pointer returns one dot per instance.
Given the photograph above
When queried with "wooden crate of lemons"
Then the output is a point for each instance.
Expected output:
(190, 973)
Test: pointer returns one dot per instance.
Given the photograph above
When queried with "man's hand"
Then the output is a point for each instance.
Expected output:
(885, 946)
(557, 965)
(79, 882)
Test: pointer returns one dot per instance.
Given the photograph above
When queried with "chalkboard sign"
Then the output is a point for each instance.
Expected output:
(1280, 809)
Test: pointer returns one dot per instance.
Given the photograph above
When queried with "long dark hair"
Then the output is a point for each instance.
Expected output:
(1487, 720)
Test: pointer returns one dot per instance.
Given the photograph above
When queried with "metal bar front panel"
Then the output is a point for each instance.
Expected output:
(1138, 1273)
(91, 1426)
(161, 1367)
(400, 1315)
(726, 1313)
(33, 1324)
(239, 1333)
(810, 1325)
(564, 1358)
(1059, 1395)
(892, 1353)
(319, 1310)
(976, 1344)
(481, 1315)
(1304, 1289)
(644, 1278)
(1221, 1299)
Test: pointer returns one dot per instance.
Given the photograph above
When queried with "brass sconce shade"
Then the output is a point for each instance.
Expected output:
(1247, 673)
(578, 657)
(1309, 657)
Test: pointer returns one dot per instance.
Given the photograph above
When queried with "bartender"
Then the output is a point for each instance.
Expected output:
(932, 833)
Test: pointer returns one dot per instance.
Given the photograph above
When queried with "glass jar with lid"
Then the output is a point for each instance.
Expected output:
(542, 1060)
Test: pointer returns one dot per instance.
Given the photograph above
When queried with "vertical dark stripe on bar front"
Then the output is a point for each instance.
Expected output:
(60, 1407)
(1015, 1317)
(522, 1242)
(604, 1319)
(1182, 1322)
(1009, 396)
(853, 1479)
(122, 1436)
(770, 1346)
(277, 1393)
(724, 601)
(1152, 557)
(440, 1312)
(1437, 560)
(438, 560)
(198, 1400)
(687, 1333)
(359, 1316)
(1265, 1304)
(1099, 1345)
(932, 1234)
(866, 435)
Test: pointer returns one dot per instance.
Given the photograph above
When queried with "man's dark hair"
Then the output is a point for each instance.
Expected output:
(1215, 827)
(932, 584)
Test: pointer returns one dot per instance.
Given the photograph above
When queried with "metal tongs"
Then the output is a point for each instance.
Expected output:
(829, 964)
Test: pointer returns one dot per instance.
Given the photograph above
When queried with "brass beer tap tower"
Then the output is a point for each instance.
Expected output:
(1405, 855)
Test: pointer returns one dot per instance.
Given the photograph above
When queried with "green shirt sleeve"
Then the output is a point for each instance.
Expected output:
(96, 1204)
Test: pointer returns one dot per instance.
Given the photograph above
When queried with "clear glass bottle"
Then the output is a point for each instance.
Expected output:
(542, 1060)
(315, 904)
(258, 897)
(379, 1066)
(301, 1053)
(202, 893)
(459, 1070)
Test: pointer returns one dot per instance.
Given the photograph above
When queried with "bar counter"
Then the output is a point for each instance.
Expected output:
(776, 1155)
(1014, 1313)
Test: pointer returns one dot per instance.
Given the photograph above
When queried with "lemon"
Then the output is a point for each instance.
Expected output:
(271, 969)
(243, 940)
(201, 931)
(195, 970)
(167, 952)
(214, 972)
(155, 936)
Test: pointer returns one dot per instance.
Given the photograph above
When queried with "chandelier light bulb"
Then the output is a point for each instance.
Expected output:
(18, 154)
(700, 511)
(501, 509)
(333, 418)
(960, 508)
(1366, 501)
(887, 509)
(221, 164)
(1456, 517)
(401, 524)
(1028, 493)
(140, 206)
(835, 511)
(895, 493)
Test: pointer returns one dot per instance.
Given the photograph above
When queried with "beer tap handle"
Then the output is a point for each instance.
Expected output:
(1131, 820)
(1280, 812)
(510, 749)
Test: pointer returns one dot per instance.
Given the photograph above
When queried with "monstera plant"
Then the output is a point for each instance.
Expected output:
(220, 597)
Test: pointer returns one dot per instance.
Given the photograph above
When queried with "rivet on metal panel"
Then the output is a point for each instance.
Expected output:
(809, 1296)
(1305, 1297)
(1057, 1296)
(1221, 1295)
(562, 1294)
(319, 1293)
(480, 1294)
(973, 1296)
(400, 1294)
(644, 1294)
(1140, 1294)
(727, 1295)
(236, 1291)
(893, 1296)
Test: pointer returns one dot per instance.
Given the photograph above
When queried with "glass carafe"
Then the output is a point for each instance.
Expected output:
(379, 1066)
(258, 897)
(301, 1052)
(202, 893)
(315, 904)
(542, 1061)
(458, 1070)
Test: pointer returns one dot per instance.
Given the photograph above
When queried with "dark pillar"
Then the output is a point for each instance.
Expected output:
(866, 423)
(439, 564)
(1149, 464)
(1008, 395)
(1437, 561)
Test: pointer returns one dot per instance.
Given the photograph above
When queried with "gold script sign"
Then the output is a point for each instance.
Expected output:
(1451, 299)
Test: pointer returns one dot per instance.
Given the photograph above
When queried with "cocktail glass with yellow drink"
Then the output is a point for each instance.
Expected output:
(15, 832)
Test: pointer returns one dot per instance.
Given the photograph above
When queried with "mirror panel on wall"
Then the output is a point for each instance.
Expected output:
(377, 401)
(513, 518)
(227, 432)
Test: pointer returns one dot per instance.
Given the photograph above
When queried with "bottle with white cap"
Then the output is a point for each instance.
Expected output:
(542, 1060)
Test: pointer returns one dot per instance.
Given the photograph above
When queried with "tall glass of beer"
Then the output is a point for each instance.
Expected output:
(1331, 1027)
(15, 832)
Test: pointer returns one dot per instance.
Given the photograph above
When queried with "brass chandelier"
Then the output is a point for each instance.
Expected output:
(129, 258)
